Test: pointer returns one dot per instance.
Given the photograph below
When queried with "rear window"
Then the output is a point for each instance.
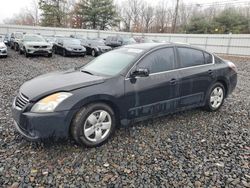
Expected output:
(18, 35)
(190, 57)
(208, 58)
(217, 60)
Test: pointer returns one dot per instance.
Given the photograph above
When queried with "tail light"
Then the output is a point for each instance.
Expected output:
(232, 66)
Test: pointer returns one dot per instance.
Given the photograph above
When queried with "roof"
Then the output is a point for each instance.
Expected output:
(146, 46)
(149, 46)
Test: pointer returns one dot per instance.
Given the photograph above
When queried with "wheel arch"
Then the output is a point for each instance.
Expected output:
(225, 84)
(105, 99)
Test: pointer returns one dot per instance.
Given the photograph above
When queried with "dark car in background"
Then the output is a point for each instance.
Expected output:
(6, 39)
(50, 39)
(15, 39)
(126, 85)
(69, 47)
(95, 47)
(116, 41)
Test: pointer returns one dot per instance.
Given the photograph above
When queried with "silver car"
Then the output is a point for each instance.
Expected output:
(3, 49)
(32, 44)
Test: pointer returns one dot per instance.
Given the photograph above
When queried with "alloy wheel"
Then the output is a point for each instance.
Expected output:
(216, 97)
(97, 126)
(93, 53)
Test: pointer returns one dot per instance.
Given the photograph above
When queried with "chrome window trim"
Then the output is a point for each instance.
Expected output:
(127, 75)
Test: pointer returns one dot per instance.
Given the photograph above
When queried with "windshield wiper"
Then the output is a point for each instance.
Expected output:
(87, 72)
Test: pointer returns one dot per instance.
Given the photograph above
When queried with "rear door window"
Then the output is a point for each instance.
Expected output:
(190, 57)
(159, 61)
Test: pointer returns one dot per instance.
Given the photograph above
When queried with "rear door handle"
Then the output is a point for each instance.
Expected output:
(173, 81)
(210, 72)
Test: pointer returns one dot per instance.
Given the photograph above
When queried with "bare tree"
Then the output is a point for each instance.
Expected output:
(147, 16)
(35, 11)
(135, 10)
(175, 16)
(22, 18)
(161, 17)
(126, 16)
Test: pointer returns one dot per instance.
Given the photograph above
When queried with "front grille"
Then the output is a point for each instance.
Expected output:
(77, 49)
(21, 101)
(40, 46)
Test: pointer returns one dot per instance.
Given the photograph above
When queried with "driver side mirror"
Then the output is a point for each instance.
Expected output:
(141, 72)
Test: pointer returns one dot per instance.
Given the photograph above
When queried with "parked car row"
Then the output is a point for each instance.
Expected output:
(74, 45)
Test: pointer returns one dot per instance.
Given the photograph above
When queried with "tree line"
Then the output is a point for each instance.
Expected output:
(173, 16)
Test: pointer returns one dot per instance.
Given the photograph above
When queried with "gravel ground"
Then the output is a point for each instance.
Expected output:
(188, 149)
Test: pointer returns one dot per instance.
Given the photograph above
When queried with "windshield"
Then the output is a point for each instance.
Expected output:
(129, 41)
(33, 38)
(97, 42)
(112, 63)
(50, 39)
(72, 41)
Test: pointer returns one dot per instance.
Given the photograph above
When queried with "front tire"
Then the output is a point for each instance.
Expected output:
(93, 125)
(64, 53)
(26, 53)
(215, 97)
(93, 53)
(20, 51)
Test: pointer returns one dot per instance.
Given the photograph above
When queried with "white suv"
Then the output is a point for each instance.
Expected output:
(32, 44)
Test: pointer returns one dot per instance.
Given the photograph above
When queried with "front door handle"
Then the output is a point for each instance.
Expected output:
(173, 81)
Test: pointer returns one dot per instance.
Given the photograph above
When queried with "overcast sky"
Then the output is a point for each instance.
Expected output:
(10, 7)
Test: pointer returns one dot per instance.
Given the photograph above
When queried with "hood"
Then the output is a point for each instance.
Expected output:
(30, 43)
(58, 81)
(2, 45)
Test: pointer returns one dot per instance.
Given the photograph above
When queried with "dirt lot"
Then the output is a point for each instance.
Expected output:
(188, 149)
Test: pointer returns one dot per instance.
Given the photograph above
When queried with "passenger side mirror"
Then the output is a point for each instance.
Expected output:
(141, 72)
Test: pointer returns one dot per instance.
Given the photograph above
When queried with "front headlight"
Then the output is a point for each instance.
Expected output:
(69, 49)
(49, 103)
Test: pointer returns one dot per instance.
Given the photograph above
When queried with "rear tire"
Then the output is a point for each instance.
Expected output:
(215, 97)
(93, 125)
(16, 47)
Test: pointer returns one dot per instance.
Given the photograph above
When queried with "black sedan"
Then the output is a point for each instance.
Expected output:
(123, 86)
(95, 47)
(69, 46)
